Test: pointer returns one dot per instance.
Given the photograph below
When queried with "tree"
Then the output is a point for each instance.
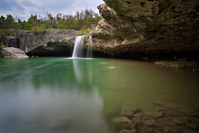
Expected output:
(2, 22)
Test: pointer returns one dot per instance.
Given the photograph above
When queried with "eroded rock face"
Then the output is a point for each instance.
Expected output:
(148, 27)
(29, 40)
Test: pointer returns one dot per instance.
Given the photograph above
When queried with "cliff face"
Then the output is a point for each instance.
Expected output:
(148, 28)
(55, 42)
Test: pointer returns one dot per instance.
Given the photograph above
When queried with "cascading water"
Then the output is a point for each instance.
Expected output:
(78, 48)
(89, 48)
(78, 51)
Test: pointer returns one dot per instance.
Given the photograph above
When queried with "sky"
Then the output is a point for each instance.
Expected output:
(23, 9)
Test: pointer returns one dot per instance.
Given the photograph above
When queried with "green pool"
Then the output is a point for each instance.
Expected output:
(59, 95)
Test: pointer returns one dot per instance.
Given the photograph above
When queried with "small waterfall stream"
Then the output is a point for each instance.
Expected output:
(78, 48)
(78, 51)
(89, 53)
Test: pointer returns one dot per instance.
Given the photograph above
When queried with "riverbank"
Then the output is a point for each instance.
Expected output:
(180, 64)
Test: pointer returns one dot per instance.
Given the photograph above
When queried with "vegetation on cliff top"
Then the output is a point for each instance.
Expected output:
(82, 20)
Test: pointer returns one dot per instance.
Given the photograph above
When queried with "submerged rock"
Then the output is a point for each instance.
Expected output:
(179, 108)
(166, 118)
(128, 111)
(11, 52)
(128, 131)
(123, 122)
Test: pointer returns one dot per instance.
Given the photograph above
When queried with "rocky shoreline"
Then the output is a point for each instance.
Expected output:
(179, 64)
(166, 118)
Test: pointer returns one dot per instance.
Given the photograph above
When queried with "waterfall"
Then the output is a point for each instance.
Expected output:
(89, 48)
(78, 48)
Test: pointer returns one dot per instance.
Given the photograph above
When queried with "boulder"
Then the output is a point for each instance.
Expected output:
(11, 52)
(123, 122)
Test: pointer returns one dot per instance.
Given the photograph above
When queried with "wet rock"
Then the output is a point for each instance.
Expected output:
(123, 122)
(158, 114)
(128, 131)
(138, 115)
(166, 130)
(11, 52)
(137, 120)
(178, 121)
(192, 126)
(164, 119)
(129, 111)
(176, 107)
(150, 123)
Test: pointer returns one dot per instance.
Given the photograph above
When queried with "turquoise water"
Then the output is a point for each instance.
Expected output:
(59, 95)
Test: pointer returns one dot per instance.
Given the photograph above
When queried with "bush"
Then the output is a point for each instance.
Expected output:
(27, 26)
(84, 32)
(50, 27)
(41, 30)
(60, 26)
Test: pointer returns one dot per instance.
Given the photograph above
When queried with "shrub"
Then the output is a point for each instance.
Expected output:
(60, 26)
(50, 27)
(27, 26)
(41, 30)
(84, 32)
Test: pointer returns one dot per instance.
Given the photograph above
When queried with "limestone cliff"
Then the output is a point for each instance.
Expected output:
(55, 42)
(148, 28)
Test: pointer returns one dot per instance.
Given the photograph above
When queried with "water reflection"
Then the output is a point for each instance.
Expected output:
(55, 97)
(83, 70)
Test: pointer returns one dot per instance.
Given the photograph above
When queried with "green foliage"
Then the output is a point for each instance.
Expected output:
(60, 26)
(70, 27)
(50, 27)
(27, 26)
(2, 34)
(84, 32)
(84, 19)
(1, 46)
(9, 19)
(41, 30)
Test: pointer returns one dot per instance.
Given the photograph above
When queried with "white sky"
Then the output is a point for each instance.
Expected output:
(24, 8)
